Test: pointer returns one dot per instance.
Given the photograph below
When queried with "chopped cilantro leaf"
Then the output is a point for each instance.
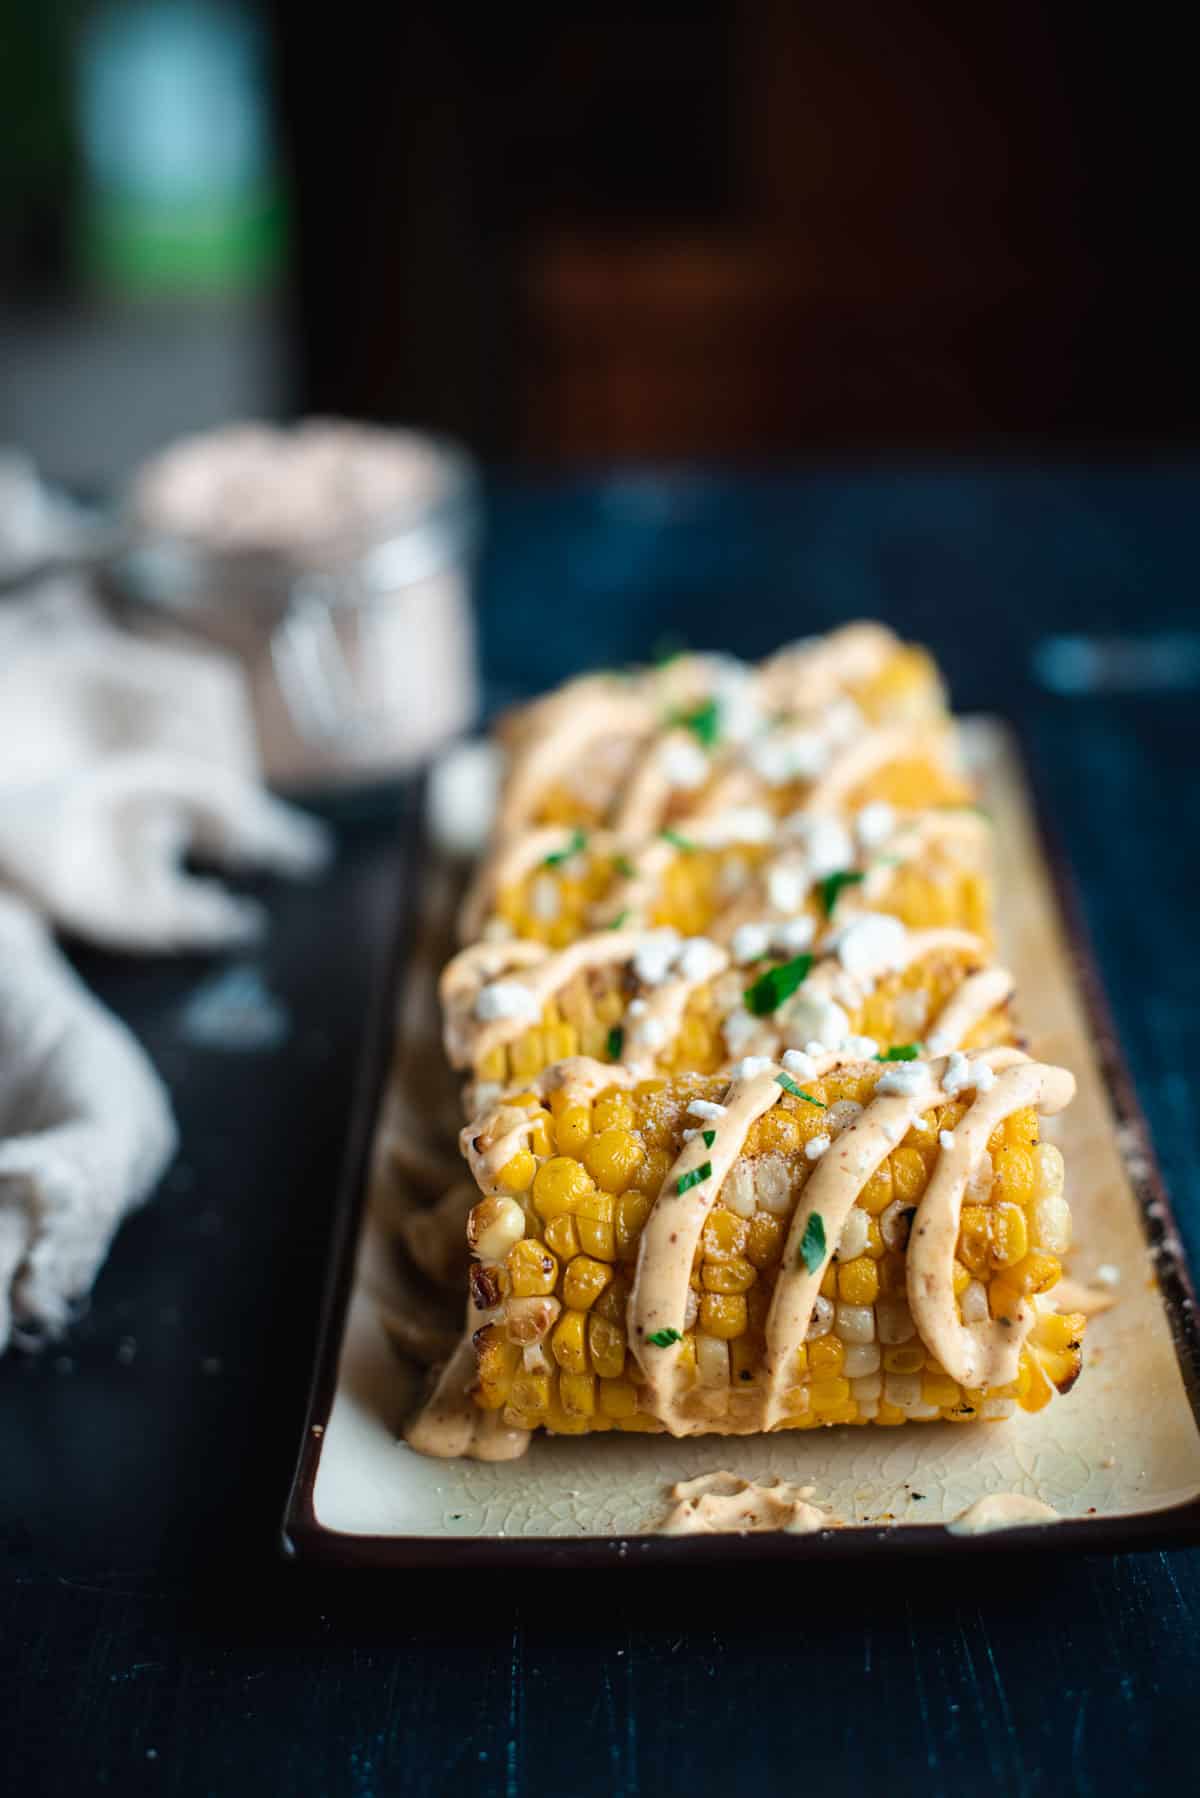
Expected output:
(703, 720)
(696, 1178)
(812, 1243)
(577, 841)
(798, 1092)
(624, 866)
(830, 889)
(900, 1052)
(710, 1137)
(619, 920)
(681, 842)
(664, 1338)
(777, 984)
(616, 1042)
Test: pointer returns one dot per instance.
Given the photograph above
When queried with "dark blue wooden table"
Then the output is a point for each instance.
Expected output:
(150, 1638)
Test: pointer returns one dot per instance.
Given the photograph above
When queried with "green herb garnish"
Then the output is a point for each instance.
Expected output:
(900, 1052)
(777, 984)
(624, 866)
(710, 1137)
(812, 1243)
(577, 841)
(798, 1092)
(830, 889)
(680, 841)
(696, 1178)
(616, 1042)
(618, 920)
(703, 720)
(664, 1338)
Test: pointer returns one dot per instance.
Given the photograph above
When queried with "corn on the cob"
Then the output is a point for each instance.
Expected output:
(700, 1254)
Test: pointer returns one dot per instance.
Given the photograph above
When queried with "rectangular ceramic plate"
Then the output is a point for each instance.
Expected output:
(1118, 1458)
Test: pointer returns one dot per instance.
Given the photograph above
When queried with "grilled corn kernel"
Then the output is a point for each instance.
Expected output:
(632, 1210)
(606, 1346)
(618, 1398)
(723, 1315)
(532, 1269)
(858, 1281)
(517, 1172)
(527, 1321)
(584, 1281)
(573, 1126)
(594, 1222)
(577, 1393)
(878, 1194)
(826, 1356)
(764, 1239)
(1009, 1232)
(559, 1186)
(829, 1287)
(494, 1226)
(974, 1238)
(909, 1175)
(908, 1358)
(1015, 1176)
(613, 1158)
(562, 1236)
(735, 1275)
(940, 1390)
(569, 1342)
(724, 1236)
(1035, 1273)
(961, 1277)
(828, 1394)
(530, 1392)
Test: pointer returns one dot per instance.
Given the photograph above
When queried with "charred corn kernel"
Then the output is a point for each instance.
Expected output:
(939, 1389)
(723, 1315)
(618, 1398)
(974, 1238)
(858, 1281)
(573, 1127)
(827, 1394)
(584, 1281)
(517, 1173)
(1034, 1390)
(1004, 1299)
(577, 1393)
(494, 1226)
(829, 1286)
(1035, 1273)
(562, 1236)
(1021, 1128)
(497, 1362)
(530, 1392)
(961, 1277)
(908, 1175)
(745, 1359)
(1009, 1232)
(606, 1346)
(532, 1269)
(614, 1300)
(569, 1342)
(724, 1236)
(613, 1158)
(907, 1357)
(764, 1239)
(527, 1321)
(735, 1275)
(632, 1210)
(594, 1222)
(877, 1194)
(826, 1356)
(559, 1186)
(1059, 1330)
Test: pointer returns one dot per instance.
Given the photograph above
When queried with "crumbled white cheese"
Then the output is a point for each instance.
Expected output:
(637, 1008)
(796, 1062)
(705, 1108)
(698, 958)
(937, 1043)
(815, 1147)
(684, 764)
(843, 720)
(958, 1075)
(793, 936)
(809, 1018)
(789, 755)
(909, 1078)
(1108, 1275)
(862, 1048)
(652, 962)
(650, 1033)
(740, 824)
(739, 1028)
(946, 1138)
(875, 824)
(787, 885)
(505, 999)
(985, 1077)
(750, 942)
(735, 689)
(871, 945)
(751, 1065)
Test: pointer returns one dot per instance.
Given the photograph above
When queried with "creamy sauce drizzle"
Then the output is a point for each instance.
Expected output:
(718, 1504)
(1002, 1511)
(451, 1425)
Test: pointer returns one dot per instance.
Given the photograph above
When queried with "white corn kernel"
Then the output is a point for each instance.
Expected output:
(893, 1320)
(902, 1389)
(822, 1320)
(868, 1409)
(494, 1226)
(979, 1186)
(974, 1303)
(528, 1320)
(712, 1361)
(856, 1323)
(1051, 1170)
(737, 1193)
(894, 1224)
(855, 1230)
(997, 1407)
(1052, 1225)
(862, 1361)
(691, 1308)
(773, 1184)
(864, 1385)
(921, 1412)
(841, 1115)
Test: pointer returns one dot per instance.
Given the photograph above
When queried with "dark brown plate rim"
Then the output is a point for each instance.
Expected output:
(305, 1539)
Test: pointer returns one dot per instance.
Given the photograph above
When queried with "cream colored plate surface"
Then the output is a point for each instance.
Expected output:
(1123, 1442)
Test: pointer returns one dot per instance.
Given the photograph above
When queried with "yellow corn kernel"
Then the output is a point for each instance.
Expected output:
(573, 1127)
(743, 1360)
(723, 1315)
(1034, 1390)
(939, 1390)
(846, 1412)
(1021, 1128)
(614, 1300)
(858, 1281)
(826, 1356)
(736, 1275)
(1004, 1298)
(974, 1238)
(539, 1136)
(618, 1398)
(801, 1361)
(724, 1235)
(1035, 1273)
(961, 1276)
(1010, 1234)
(606, 1345)
(594, 1221)
(613, 1110)
(877, 1194)
(1059, 1330)
(779, 1132)
(829, 1287)
(494, 1065)
(577, 1393)
(828, 1394)
(909, 1357)
(584, 1281)
(632, 1210)
(559, 1186)
(908, 1175)
(569, 1341)
(613, 1158)
(530, 1392)
(527, 1056)
(654, 1170)
(531, 1268)
(764, 1239)
(874, 1246)
(1015, 1176)
(517, 1173)
(497, 1361)
(562, 1236)
(889, 1415)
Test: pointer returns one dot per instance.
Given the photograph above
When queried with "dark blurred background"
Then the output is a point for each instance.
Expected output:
(692, 229)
